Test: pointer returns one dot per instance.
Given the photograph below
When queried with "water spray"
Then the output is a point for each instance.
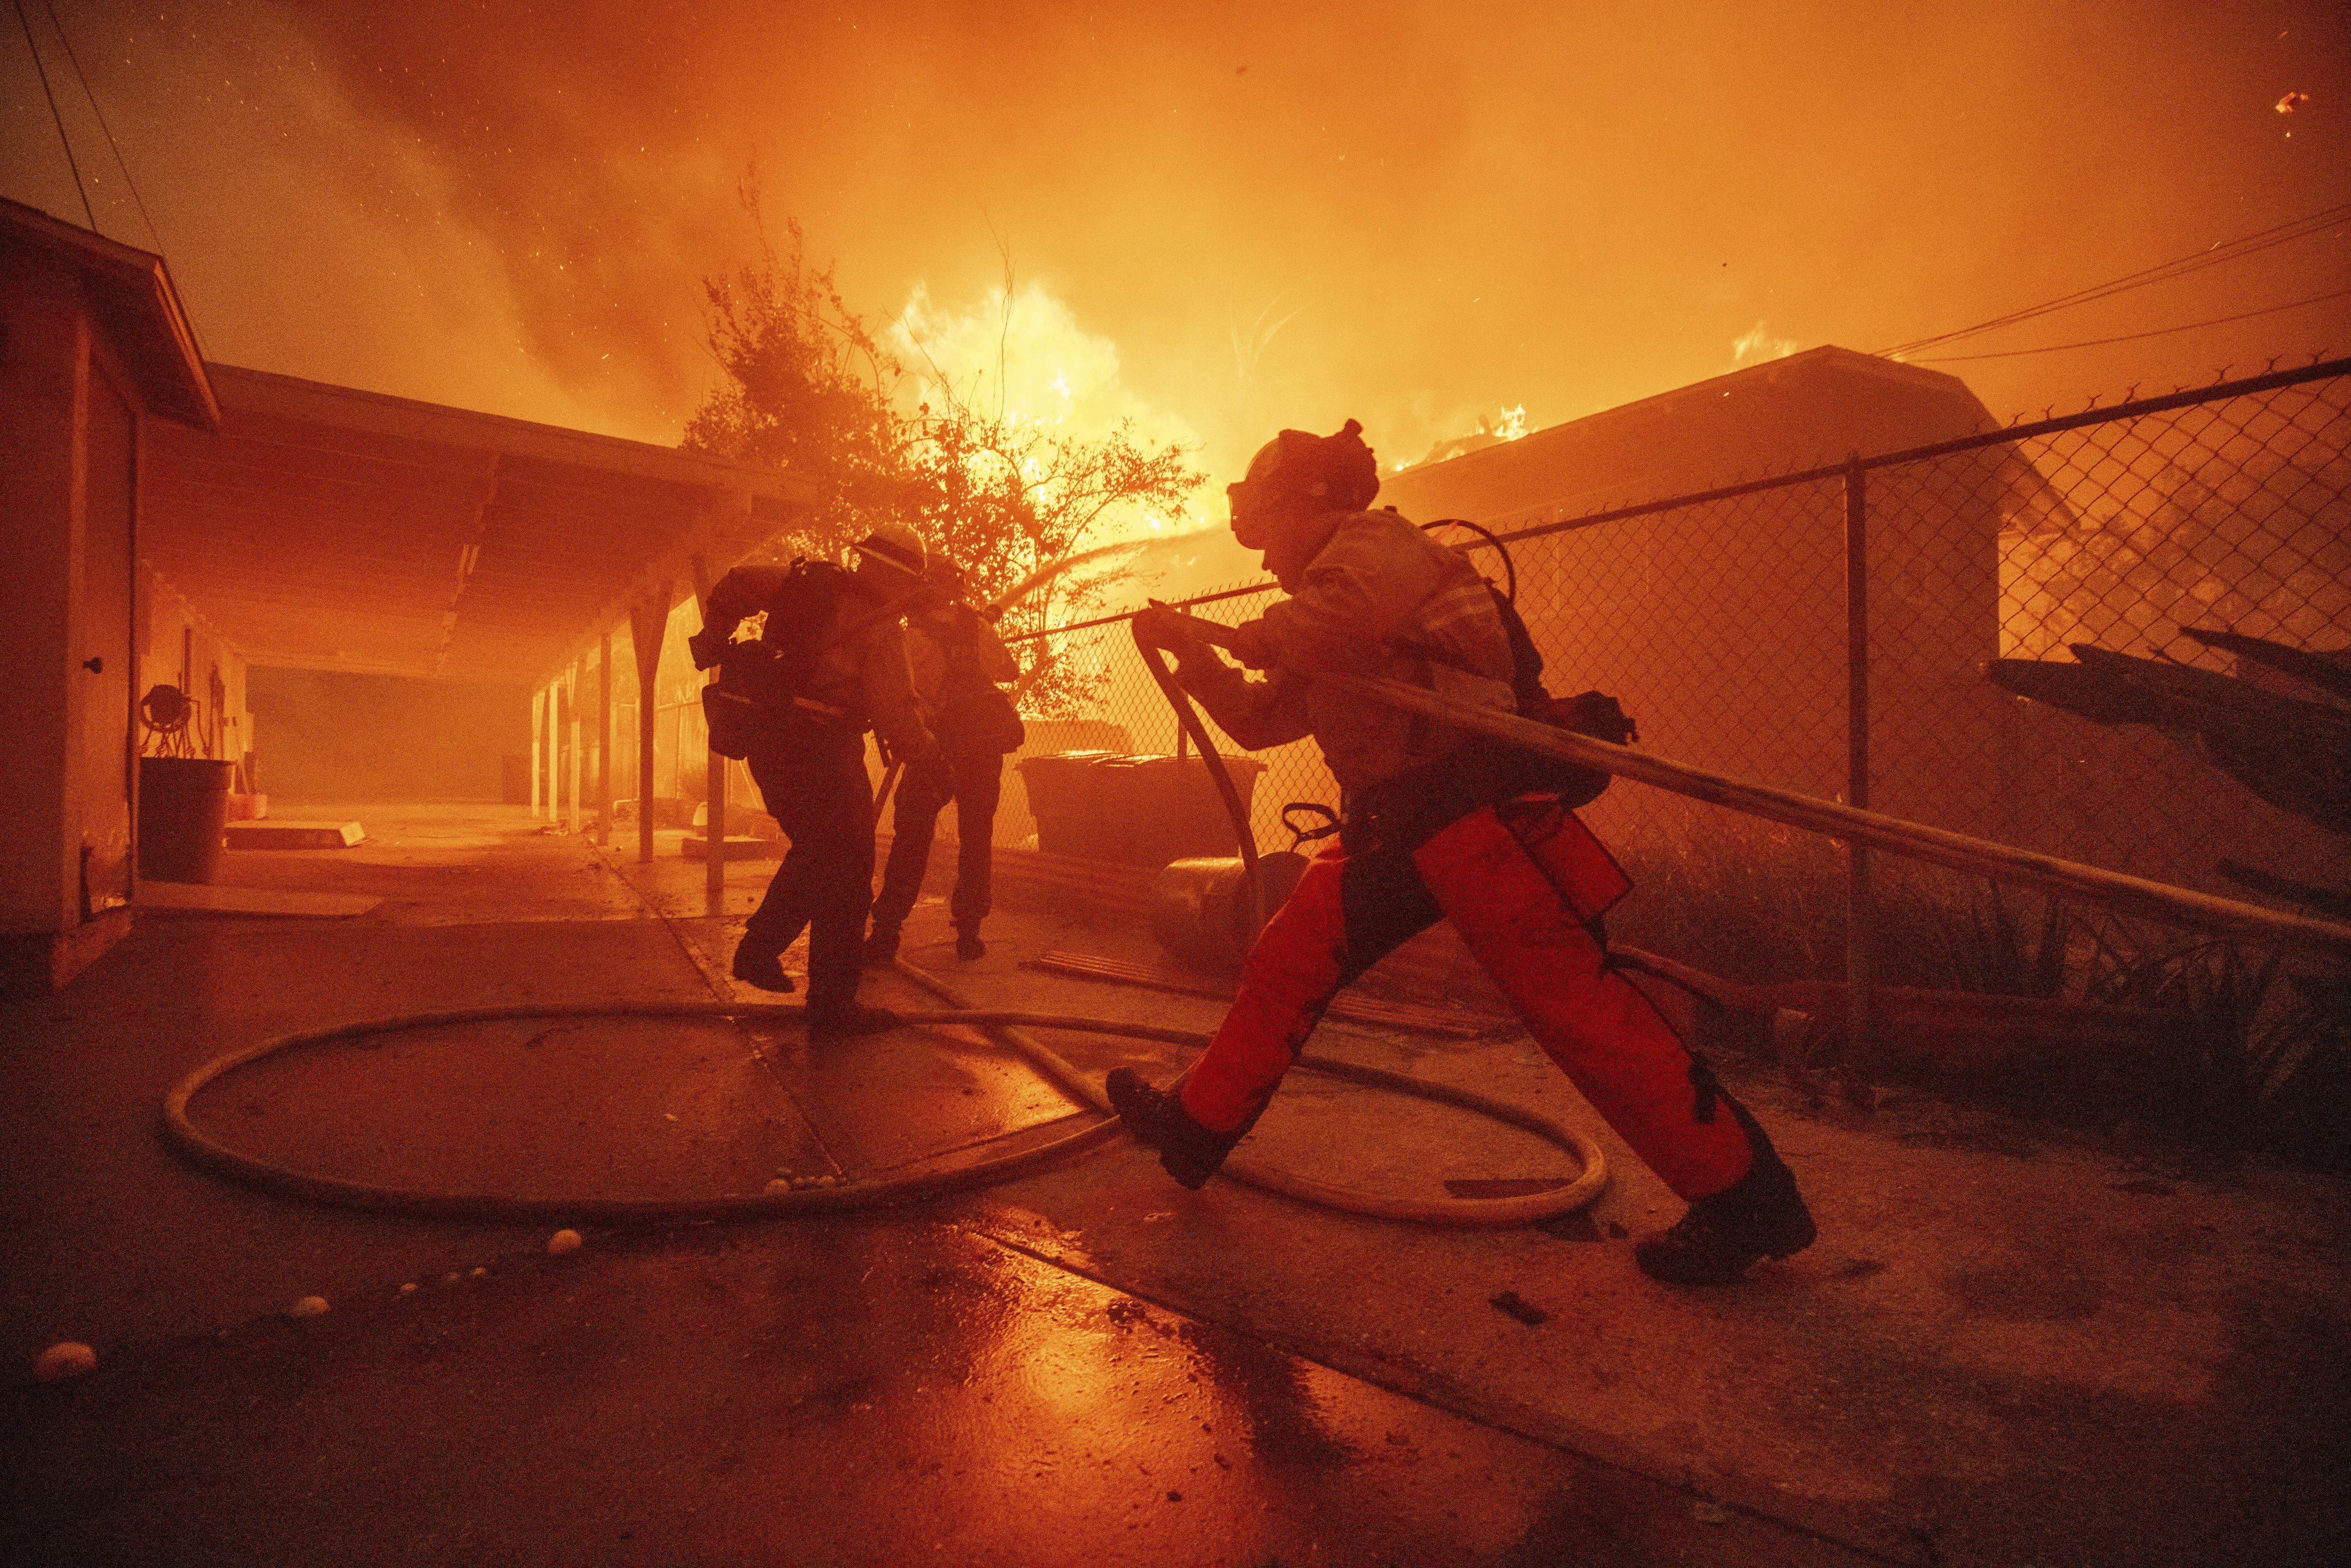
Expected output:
(1051, 570)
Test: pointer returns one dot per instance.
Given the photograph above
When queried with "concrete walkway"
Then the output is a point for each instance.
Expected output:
(2008, 1347)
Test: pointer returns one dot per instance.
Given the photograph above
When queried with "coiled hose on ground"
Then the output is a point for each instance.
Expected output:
(1009, 1027)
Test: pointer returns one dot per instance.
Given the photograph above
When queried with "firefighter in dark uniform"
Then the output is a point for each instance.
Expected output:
(1437, 824)
(958, 662)
(811, 774)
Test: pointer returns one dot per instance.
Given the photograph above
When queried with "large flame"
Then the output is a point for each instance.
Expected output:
(1022, 355)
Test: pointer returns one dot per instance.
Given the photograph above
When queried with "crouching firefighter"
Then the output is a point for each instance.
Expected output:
(828, 664)
(1436, 823)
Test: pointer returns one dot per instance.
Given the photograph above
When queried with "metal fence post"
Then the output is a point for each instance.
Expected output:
(1859, 921)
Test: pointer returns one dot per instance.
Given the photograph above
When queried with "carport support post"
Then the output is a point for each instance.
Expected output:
(604, 738)
(1859, 924)
(572, 738)
(648, 622)
(714, 831)
(554, 752)
(537, 739)
(546, 751)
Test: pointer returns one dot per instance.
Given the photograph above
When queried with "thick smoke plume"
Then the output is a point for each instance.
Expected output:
(1274, 215)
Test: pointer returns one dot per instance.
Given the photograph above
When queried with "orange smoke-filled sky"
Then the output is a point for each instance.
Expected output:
(1415, 215)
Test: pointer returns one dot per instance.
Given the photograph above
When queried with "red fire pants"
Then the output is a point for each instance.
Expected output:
(1523, 883)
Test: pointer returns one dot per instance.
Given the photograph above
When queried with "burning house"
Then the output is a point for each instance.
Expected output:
(1722, 625)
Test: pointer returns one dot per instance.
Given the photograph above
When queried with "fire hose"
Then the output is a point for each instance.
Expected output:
(1937, 846)
(1007, 1025)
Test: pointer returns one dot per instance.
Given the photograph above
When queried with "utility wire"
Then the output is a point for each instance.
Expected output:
(2132, 336)
(65, 140)
(79, 74)
(2213, 257)
(2230, 250)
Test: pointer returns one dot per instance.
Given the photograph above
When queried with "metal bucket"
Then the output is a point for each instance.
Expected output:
(1202, 913)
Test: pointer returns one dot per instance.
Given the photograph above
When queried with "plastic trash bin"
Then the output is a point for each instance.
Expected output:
(1145, 811)
(183, 816)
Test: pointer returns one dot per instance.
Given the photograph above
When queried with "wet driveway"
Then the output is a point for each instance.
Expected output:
(837, 1391)
(2005, 1349)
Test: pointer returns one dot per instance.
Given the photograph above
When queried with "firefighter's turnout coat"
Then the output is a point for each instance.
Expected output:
(1381, 598)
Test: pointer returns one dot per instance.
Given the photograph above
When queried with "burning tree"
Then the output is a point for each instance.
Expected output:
(1022, 506)
(807, 389)
(1025, 507)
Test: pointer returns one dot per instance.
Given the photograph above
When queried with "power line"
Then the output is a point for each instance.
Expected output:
(2213, 257)
(2230, 250)
(63, 140)
(133, 185)
(2133, 337)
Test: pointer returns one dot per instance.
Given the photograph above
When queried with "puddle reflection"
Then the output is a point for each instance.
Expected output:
(963, 1397)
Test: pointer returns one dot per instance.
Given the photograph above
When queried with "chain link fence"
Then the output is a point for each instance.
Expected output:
(1722, 624)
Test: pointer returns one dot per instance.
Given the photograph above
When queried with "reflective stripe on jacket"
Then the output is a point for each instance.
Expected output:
(1383, 599)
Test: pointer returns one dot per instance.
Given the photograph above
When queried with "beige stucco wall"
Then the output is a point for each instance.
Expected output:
(43, 375)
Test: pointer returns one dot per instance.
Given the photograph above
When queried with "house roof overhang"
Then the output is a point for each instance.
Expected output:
(327, 528)
(132, 298)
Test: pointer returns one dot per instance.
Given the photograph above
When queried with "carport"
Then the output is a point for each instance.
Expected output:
(323, 527)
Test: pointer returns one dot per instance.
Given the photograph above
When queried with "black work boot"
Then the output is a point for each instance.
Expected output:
(848, 1020)
(967, 944)
(1761, 1215)
(753, 965)
(1188, 1151)
(882, 943)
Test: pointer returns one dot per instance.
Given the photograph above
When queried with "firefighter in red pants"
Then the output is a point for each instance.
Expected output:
(1437, 824)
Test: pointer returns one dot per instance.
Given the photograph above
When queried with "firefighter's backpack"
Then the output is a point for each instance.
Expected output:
(976, 718)
(760, 700)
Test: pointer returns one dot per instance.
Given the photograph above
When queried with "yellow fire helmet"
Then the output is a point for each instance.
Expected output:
(1297, 470)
